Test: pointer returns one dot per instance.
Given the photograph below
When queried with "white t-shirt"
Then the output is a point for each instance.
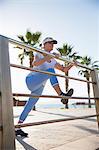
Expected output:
(46, 65)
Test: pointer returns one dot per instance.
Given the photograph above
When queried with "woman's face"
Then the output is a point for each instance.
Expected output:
(48, 46)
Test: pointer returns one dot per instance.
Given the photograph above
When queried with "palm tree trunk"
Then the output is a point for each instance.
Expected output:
(31, 58)
(66, 85)
(88, 89)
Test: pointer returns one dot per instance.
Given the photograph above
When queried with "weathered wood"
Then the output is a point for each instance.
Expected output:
(7, 134)
(31, 48)
(53, 121)
(18, 102)
(51, 96)
(95, 78)
(49, 73)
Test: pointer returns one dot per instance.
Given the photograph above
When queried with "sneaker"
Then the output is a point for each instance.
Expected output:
(69, 93)
(19, 132)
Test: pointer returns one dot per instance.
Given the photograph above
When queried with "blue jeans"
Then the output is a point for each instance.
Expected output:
(35, 83)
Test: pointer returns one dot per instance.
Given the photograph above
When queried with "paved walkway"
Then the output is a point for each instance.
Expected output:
(67, 135)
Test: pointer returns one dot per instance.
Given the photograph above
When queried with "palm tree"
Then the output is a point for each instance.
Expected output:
(86, 73)
(32, 39)
(67, 51)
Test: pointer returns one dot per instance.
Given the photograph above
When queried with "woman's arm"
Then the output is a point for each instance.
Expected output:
(65, 69)
(38, 62)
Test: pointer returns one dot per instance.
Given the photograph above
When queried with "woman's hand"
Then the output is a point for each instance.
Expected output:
(65, 69)
(47, 57)
(38, 61)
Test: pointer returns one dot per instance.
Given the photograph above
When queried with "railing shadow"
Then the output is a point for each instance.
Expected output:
(24, 144)
(57, 114)
(91, 119)
(92, 131)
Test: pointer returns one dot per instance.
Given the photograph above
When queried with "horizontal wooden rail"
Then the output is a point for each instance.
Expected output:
(49, 73)
(53, 121)
(31, 48)
(51, 96)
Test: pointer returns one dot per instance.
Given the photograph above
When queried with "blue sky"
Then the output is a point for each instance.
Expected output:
(73, 21)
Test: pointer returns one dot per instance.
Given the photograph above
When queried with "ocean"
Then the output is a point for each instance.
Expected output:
(45, 106)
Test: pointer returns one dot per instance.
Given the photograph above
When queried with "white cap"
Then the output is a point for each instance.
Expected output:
(49, 39)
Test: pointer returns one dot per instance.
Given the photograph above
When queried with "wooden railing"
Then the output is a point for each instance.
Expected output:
(6, 95)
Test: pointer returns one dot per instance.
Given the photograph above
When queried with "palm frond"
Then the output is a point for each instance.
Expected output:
(95, 66)
(80, 72)
(29, 38)
(21, 57)
(17, 47)
(21, 38)
(28, 35)
(36, 38)
(95, 62)
(66, 50)
(77, 57)
(86, 60)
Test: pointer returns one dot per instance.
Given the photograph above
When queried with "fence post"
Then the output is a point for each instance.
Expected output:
(7, 134)
(95, 78)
